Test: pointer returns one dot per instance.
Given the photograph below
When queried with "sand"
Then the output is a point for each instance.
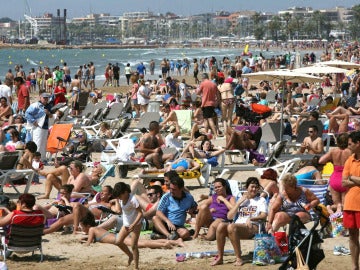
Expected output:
(67, 252)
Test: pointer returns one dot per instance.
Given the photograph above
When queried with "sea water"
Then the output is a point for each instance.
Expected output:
(32, 58)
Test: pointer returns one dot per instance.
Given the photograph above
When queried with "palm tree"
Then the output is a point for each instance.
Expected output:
(274, 26)
(287, 17)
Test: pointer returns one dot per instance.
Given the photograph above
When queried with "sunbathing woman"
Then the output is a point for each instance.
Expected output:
(214, 210)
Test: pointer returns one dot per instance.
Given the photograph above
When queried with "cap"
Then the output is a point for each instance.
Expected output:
(75, 88)
(45, 95)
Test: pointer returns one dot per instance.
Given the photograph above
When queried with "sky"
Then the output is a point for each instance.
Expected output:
(79, 8)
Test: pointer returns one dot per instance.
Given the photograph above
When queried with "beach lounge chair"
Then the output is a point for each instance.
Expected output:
(24, 239)
(184, 120)
(114, 112)
(83, 100)
(146, 118)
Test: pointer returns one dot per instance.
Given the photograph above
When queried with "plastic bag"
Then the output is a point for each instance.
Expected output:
(300, 262)
(337, 226)
(266, 250)
(282, 242)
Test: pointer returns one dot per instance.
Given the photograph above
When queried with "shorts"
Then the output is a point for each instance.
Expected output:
(208, 112)
(67, 79)
(135, 102)
(164, 70)
(166, 226)
(351, 219)
(33, 82)
(92, 77)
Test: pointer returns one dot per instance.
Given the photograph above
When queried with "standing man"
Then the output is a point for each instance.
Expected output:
(351, 212)
(170, 217)
(152, 67)
(209, 96)
(67, 76)
(116, 72)
(5, 90)
(37, 115)
(91, 76)
(141, 69)
(23, 94)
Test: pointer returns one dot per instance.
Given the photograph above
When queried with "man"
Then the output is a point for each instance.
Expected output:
(76, 82)
(313, 144)
(351, 211)
(141, 69)
(91, 76)
(209, 96)
(23, 94)
(152, 67)
(5, 90)
(172, 210)
(37, 115)
(116, 72)
(150, 146)
(67, 76)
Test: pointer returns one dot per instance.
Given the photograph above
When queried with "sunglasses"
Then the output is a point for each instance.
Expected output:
(80, 136)
(310, 131)
(150, 194)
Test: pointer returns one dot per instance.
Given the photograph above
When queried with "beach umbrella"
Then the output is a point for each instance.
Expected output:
(283, 75)
(341, 64)
(320, 69)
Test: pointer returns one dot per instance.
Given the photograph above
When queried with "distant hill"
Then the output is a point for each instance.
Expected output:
(5, 20)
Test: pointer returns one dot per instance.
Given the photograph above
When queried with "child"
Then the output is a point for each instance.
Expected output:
(49, 85)
(132, 216)
(37, 165)
(75, 101)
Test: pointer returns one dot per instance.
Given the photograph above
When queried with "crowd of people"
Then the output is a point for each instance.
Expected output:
(218, 100)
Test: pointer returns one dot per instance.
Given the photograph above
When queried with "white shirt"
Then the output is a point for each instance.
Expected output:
(129, 212)
(5, 91)
(172, 142)
(143, 90)
(251, 208)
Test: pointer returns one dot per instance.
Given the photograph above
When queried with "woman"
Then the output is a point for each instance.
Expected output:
(81, 182)
(268, 182)
(310, 172)
(127, 71)
(337, 156)
(248, 211)
(227, 102)
(134, 94)
(14, 143)
(59, 93)
(105, 131)
(292, 200)
(143, 95)
(24, 207)
(213, 211)
(206, 151)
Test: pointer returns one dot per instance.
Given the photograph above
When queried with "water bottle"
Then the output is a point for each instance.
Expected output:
(28, 136)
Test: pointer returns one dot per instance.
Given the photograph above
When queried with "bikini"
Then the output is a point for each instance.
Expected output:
(98, 239)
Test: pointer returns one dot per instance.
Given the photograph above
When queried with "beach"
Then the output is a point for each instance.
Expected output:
(65, 251)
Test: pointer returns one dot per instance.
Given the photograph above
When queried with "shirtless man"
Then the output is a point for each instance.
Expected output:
(79, 73)
(56, 177)
(150, 146)
(92, 76)
(313, 144)
(76, 82)
(40, 79)
(67, 76)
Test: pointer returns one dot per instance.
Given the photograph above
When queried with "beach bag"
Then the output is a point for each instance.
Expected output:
(300, 263)
(266, 250)
(337, 226)
(282, 242)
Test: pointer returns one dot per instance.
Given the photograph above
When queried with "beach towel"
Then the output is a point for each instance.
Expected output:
(184, 120)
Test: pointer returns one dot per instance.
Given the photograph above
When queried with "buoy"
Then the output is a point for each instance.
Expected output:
(10, 63)
(41, 62)
(9, 56)
(61, 61)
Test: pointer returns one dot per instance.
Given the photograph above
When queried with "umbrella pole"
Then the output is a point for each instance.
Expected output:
(282, 111)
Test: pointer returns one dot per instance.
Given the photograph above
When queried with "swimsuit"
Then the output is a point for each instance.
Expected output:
(291, 208)
(181, 163)
(98, 239)
(336, 179)
(228, 101)
(305, 176)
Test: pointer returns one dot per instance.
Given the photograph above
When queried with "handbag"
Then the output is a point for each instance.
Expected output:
(300, 263)
(266, 250)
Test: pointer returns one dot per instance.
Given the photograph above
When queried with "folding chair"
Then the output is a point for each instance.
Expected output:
(319, 190)
(24, 238)
(58, 138)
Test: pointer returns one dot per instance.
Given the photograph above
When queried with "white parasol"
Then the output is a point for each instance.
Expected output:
(320, 68)
(341, 64)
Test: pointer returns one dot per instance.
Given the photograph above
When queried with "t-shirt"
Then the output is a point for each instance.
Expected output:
(352, 197)
(251, 208)
(143, 90)
(129, 210)
(172, 142)
(22, 94)
(5, 91)
(60, 98)
(174, 209)
(209, 93)
(28, 220)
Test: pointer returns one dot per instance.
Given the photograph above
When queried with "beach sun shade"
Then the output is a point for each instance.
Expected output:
(341, 64)
(284, 75)
(320, 68)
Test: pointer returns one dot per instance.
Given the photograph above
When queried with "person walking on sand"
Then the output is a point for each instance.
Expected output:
(132, 220)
